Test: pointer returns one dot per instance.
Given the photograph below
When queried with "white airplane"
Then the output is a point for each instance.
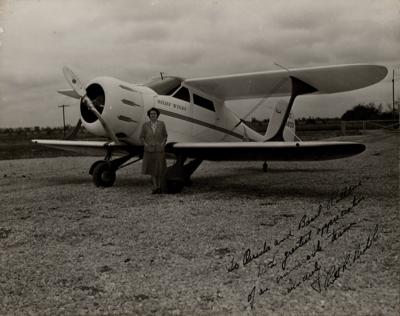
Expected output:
(200, 126)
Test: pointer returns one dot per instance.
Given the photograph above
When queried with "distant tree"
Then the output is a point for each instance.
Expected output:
(363, 112)
(47, 129)
(389, 106)
(310, 120)
(370, 111)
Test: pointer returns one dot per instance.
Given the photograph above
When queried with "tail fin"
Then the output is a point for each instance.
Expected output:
(289, 132)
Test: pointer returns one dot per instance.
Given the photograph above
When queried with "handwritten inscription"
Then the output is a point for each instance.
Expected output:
(249, 257)
(297, 259)
(337, 270)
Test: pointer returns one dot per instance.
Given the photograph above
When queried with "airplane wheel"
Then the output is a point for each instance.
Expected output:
(175, 186)
(175, 179)
(103, 175)
(265, 167)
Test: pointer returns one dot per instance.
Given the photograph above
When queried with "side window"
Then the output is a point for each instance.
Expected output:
(183, 94)
(200, 101)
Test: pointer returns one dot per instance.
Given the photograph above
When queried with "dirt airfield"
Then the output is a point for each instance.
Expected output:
(315, 238)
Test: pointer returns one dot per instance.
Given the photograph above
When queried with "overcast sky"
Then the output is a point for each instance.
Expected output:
(134, 40)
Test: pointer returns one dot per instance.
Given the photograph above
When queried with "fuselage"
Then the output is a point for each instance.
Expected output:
(189, 115)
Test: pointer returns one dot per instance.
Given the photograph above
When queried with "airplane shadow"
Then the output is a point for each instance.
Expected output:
(69, 180)
(285, 170)
(237, 182)
(257, 191)
(87, 180)
(244, 184)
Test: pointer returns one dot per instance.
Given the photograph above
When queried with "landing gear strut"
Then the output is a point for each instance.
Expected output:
(265, 166)
(178, 175)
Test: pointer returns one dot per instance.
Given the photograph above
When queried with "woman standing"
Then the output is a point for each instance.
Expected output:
(154, 137)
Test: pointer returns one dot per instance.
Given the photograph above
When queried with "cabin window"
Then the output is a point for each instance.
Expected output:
(183, 94)
(165, 86)
(203, 102)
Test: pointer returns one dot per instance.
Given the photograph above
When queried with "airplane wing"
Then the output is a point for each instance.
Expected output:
(329, 79)
(87, 148)
(267, 151)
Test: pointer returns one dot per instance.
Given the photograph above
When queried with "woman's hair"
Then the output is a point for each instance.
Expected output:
(155, 110)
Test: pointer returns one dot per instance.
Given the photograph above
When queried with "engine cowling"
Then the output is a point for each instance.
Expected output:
(119, 103)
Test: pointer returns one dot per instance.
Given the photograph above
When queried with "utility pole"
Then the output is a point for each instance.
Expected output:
(63, 112)
(393, 91)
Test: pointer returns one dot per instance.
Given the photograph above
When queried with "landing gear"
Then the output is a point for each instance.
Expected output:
(265, 166)
(104, 171)
(175, 179)
(178, 175)
(103, 174)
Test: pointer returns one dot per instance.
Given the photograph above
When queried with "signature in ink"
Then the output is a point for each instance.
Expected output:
(336, 271)
(288, 267)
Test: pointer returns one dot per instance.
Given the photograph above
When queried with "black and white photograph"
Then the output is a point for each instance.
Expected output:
(216, 157)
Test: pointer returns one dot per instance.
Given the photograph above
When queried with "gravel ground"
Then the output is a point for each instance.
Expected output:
(230, 244)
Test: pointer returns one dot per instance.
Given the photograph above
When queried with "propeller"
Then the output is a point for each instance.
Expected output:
(75, 131)
(78, 87)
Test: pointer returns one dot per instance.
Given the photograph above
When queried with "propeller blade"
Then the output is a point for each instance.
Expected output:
(75, 131)
(74, 81)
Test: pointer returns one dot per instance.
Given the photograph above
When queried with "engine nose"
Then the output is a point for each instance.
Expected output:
(96, 94)
(120, 105)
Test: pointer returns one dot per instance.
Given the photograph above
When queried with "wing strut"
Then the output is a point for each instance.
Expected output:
(299, 87)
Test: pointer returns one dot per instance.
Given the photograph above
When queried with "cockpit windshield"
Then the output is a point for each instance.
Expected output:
(165, 86)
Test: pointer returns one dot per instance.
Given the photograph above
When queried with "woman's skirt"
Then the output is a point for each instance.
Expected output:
(154, 163)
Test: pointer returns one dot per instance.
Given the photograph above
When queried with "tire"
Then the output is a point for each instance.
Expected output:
(103, 175)
(175, 186)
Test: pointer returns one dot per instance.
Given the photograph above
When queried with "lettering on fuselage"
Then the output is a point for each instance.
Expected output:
(172, 105)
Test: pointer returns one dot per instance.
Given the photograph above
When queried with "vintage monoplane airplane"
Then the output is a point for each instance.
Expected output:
(200, 126)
